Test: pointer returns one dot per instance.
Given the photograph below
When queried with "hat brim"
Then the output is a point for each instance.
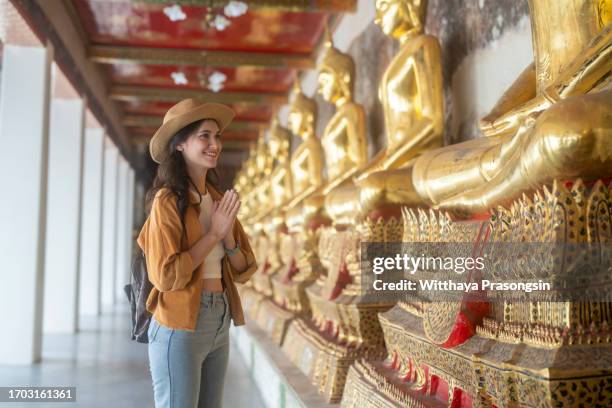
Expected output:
(158, 145)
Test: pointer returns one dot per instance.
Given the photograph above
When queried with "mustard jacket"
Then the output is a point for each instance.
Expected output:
(174, 300)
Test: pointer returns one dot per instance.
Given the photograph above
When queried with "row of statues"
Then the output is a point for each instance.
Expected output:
(308, 211)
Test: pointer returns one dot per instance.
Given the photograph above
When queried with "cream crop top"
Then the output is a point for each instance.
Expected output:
(212, 263)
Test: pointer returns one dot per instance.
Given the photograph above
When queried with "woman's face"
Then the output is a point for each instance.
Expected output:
(203, 146)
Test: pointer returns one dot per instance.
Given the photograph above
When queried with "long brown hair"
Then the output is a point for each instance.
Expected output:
(172, 172)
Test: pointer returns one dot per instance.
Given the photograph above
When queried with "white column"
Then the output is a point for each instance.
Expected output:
(109, 229)
(121, 241)
(129, 220)
(24, 125)
(139, 204)
(63, 215)
(130, 224)
(91, 225)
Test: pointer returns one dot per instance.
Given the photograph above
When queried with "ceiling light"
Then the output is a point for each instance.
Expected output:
(215, 87)
(220, 22)
(235, 8)
(175, 13)
(179, 78)
(217, 77)
(216, 81)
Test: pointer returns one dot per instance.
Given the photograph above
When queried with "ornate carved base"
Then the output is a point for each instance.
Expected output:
(262, 279)
(320, 358)
(373, 384)
(534, 354)
(481, 372)
(251, 300)
(274, 320)
(291, 293)
(346, 320)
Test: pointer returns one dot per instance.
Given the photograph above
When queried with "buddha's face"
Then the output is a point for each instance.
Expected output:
(295, 120)
(274, 144)
(329, 87)
(392, 17)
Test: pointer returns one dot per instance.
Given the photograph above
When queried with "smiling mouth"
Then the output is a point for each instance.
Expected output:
(212, 155)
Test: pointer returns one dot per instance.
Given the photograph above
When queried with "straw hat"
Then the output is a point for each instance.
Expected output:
(182, 114)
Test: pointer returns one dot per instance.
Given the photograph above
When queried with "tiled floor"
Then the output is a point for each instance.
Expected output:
(109, 370)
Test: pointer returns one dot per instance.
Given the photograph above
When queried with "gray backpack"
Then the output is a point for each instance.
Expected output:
(137, 292)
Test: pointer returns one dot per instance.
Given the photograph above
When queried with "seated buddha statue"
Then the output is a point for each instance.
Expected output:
(264, 162)
(554, 122)
(279, 149)
(307, 159)
(304, 213)
(410, 92)
(344, 136)
(245, 184)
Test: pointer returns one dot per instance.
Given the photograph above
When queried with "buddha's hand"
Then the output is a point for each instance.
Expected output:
(224, 214)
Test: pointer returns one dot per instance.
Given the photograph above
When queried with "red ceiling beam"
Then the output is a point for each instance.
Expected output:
(131, 93)
(167, 56)
(334, 6)
(153, 122)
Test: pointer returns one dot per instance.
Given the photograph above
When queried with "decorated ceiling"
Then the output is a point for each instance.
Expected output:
(242, 53)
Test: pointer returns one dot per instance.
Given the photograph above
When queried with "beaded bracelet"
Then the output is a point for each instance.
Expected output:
(231, 252)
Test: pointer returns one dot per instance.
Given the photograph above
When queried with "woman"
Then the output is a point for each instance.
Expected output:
(195, 250)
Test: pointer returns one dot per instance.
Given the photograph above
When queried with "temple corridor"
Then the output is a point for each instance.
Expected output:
(110, 370)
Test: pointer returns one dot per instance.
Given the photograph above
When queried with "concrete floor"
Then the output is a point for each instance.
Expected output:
(110, 370)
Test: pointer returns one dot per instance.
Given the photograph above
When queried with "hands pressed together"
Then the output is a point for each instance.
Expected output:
(224, 214)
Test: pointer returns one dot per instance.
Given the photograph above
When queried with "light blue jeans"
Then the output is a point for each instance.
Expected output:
(188, 368)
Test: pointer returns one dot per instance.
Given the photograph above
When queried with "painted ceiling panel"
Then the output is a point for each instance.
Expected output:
(147, 24)
(240, 79)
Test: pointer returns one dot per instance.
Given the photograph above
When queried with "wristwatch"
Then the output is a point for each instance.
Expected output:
(231, 252)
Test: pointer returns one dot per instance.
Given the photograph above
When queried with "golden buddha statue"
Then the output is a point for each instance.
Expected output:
(280, 148)
(410, 92)
(307, 160)
(304, 214)
(264, 162)
(275, 190)
(553, 122)
(344, 136)
(267, 221)
(244, 184)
